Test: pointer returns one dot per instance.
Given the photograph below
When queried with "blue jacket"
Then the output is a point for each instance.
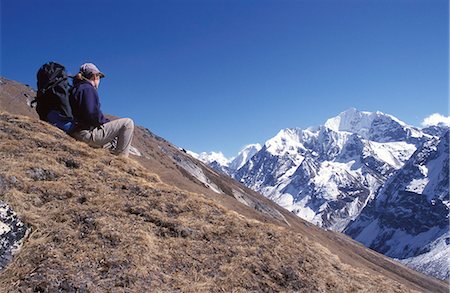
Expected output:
(85, 105)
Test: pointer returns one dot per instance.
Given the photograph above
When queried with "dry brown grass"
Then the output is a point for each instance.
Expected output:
(104, 224)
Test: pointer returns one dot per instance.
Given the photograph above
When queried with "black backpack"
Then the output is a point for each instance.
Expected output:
(53, 96)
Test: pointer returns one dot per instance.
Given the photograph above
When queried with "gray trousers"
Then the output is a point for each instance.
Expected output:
(122, 129)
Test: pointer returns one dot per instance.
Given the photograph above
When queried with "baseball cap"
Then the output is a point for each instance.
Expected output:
(88, 69)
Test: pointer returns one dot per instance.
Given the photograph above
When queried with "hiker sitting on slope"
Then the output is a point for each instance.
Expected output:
(91, 126)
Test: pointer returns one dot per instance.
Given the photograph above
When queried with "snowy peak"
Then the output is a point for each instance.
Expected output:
(244, 155)
(211, 157)
(288, 140)
(330, 138)
(352, 120)
(375, 126)
(219, 162)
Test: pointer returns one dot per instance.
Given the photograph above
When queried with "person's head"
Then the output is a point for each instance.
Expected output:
(90, 72)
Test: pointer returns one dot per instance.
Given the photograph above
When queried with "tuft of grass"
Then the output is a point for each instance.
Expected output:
(105, 224)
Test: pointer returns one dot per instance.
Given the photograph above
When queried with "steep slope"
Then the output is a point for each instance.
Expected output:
(175, 167)
(16, 97)
(100, 223)
(408, 220)
(215, 160)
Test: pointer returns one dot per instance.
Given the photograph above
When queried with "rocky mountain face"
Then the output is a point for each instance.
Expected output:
(435, 130)
(408, 219)
(12, 230)
(189, 222)
(329, 174)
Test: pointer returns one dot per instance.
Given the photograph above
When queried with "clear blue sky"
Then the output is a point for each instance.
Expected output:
(216, 75)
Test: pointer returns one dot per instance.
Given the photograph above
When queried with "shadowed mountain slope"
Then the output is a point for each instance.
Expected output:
(100, 222)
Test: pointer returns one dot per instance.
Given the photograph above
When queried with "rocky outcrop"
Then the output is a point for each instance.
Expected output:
(408, 220)
(12, 229)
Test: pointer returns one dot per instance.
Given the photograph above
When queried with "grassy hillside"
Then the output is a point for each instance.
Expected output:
(103, 224)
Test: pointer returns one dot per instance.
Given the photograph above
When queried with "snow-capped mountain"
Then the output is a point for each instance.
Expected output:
(330, 173)
(243, 156)
(408, 220)
(219, 162)
(327, 174)
(211, 157)
(216, 160)
(376, 126)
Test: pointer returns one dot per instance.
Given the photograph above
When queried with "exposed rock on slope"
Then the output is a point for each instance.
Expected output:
(409, 218)
(100, 223)
(12, 231)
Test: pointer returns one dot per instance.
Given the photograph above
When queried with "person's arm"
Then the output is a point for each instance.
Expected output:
(90, 107)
